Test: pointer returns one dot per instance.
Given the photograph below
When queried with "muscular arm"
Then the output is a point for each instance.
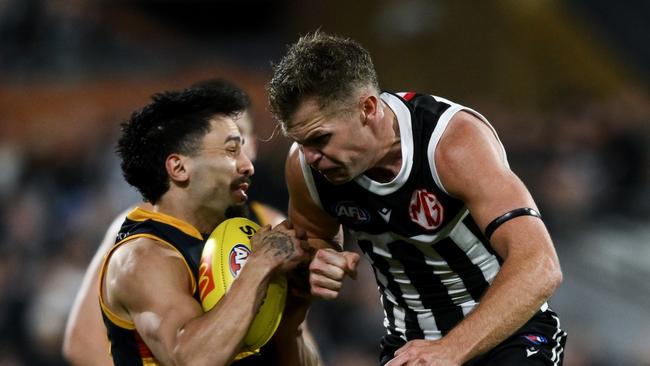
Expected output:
(85, 341)
(148, 283)
(470, 163)
(330, 265)
(323, 230)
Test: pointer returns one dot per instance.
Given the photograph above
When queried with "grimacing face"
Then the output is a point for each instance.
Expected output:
(335, 141)
(221, 170)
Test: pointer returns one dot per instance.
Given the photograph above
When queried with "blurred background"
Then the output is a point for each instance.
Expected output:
(566, 84)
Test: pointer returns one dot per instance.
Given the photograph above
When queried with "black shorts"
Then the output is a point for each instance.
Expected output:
(540, 342)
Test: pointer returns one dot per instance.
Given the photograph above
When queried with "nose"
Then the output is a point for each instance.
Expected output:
(312, 155)
(245, 165)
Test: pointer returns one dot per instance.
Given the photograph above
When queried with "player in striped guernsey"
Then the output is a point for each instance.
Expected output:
(462, 260)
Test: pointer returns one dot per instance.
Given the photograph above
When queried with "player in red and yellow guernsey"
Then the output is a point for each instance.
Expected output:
(183, 152)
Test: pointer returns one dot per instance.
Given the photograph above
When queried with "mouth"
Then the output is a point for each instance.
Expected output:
(240, 187)
(327, 170)
(335, 175)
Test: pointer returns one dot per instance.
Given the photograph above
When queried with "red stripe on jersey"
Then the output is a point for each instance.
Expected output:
(408, 96)
(144, 351)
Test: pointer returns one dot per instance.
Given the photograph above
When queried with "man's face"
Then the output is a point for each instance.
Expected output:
(245, 123)
(220, 169)
(336, 141)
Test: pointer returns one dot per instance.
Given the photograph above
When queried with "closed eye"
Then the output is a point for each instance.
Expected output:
(233, 150)
(318, 141)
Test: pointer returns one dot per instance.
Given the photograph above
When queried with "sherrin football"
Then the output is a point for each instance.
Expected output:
(224, 255)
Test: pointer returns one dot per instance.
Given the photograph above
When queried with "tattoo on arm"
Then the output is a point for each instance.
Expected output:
(280, 244)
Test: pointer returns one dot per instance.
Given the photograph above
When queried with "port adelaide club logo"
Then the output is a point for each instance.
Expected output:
(425, 209)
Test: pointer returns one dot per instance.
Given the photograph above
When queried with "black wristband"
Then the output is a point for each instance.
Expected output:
(524, 211)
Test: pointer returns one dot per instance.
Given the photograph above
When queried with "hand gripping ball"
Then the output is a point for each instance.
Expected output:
(224, 255)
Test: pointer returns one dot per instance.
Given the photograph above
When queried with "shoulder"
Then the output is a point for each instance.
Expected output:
(467, 148)
(466, 134)
(144, 261)
(295, 175)
(293, 165)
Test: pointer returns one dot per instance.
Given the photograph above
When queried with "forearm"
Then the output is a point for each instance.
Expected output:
(295, 348)
(85, 340)
(216, 337)
(80, 350)
(515, 295)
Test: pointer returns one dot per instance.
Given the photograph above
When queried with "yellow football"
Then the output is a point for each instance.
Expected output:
(224, 255)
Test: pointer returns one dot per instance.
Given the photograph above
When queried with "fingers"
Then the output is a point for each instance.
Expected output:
(329, 263)
(352, 261)
(328, 270)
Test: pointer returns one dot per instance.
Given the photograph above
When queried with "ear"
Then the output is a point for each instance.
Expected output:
(177, 168)
(370, 108)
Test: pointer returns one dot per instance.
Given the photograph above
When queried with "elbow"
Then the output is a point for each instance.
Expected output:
(554, 278)
(183, 353)
(557, 277)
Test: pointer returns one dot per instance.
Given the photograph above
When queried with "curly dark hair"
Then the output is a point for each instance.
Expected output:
(174, 122)
(326, 67)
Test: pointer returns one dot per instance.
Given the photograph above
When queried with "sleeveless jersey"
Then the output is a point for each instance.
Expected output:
(127, 347)
(431, 261)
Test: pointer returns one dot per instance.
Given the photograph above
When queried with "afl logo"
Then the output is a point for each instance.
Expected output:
(425, 209)
(238, 256)
(351, 212)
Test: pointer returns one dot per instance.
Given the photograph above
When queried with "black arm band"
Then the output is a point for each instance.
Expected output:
(525, 211)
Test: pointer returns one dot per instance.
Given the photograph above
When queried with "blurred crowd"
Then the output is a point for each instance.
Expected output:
(586, 163)
(585, 158)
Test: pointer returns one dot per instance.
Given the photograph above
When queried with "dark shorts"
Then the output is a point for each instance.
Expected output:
(540, 342)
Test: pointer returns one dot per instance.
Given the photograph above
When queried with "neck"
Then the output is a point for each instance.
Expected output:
(390, 161)
(196, 216)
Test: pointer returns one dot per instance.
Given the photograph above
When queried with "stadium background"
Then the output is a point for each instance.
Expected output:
(566, 83)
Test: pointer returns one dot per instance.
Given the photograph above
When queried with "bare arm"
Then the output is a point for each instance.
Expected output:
(85, 341)
(147, 283)
(292, 339)
(330, 265)
(471, 168)
(323, 230)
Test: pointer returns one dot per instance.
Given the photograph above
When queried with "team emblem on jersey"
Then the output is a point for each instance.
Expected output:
(238, 256)
(535, 339)
(349, 211)
(425, 209)
(206, 279)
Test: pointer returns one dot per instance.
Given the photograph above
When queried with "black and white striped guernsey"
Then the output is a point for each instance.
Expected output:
(431, 261)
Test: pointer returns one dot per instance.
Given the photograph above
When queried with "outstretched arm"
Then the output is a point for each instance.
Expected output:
(85, 341)
(471, 167)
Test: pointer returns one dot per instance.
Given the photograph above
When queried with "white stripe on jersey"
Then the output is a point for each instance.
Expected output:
(403, 115)
(410, 295)
(306, 173)
(456, 289)
(558, 349)
(476, 251)
(443, 122)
